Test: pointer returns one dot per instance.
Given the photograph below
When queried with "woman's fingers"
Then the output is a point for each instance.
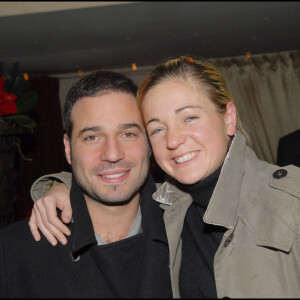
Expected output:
(48, 222)
(33, 226)
(44, 215)
(39, 223)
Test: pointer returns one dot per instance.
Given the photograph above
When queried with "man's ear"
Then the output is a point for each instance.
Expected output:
(67, 144)
(230, 118)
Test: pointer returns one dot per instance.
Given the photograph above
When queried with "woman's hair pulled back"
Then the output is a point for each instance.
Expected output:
(199, 72)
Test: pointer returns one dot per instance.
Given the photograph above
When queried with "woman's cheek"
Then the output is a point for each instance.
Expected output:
(157, 151)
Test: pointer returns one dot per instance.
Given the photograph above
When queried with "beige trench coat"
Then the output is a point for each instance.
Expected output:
(258, 203)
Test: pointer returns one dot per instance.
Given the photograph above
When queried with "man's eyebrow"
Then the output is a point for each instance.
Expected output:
(100, 128)
(130, 125)
(176, 112)
(93, 129)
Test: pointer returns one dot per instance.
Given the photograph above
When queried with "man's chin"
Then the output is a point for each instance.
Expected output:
(113, 202)
(113, 198)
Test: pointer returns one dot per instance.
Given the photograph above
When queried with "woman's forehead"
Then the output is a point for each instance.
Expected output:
(174, 92)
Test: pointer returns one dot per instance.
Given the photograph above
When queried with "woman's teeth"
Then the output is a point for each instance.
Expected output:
(185, 157)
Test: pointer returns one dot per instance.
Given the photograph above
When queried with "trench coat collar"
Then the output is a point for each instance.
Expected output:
(222, 207)
(83, 230)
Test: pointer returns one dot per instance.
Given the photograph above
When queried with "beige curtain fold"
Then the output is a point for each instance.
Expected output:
(266, 90)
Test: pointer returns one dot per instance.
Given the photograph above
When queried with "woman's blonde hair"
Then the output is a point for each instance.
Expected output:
(186, 68)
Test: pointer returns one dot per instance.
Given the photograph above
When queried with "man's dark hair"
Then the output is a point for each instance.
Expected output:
(94, 84)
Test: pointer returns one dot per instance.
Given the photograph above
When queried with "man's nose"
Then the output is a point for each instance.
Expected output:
(112, 150)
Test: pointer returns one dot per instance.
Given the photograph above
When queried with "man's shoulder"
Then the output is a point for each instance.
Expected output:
(291, 137)
(17, 229)
(17, 237)
(16, 241)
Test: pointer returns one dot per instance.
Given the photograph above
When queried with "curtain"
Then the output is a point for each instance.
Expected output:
(266, 90)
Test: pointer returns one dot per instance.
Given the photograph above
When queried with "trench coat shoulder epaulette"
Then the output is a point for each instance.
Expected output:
(286, 179)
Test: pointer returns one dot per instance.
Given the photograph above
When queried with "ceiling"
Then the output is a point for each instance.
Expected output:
(48, 37)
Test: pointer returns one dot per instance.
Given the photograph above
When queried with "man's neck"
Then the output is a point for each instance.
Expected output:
(113, 223)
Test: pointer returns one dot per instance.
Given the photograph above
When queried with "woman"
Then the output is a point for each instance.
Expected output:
(232, 220)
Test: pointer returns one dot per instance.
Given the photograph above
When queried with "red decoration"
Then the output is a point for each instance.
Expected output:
(7, 101)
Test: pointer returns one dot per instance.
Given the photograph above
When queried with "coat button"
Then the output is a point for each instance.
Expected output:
(280, 173)
(230, 238)
(74, 257)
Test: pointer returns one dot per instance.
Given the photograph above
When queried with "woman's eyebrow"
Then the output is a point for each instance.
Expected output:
(186, 107)
(152, 120)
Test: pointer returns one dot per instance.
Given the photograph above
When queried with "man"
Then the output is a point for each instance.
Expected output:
(288, 151)
(118, 247)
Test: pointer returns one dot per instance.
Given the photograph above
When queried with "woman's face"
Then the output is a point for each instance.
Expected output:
(189, 138)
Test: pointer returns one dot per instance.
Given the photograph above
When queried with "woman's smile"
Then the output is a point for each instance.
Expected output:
(188, 157)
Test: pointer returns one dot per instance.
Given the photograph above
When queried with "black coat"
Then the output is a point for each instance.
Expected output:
(134, 267)
(288, 152)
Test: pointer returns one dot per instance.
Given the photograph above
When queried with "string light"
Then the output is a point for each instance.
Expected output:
(191, 60)
(133, 65)
(26, 76)
(248, 55)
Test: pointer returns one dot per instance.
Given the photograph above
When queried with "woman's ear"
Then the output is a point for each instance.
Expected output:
(230, 118)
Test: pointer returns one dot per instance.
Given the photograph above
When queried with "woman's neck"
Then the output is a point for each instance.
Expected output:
(202, 190)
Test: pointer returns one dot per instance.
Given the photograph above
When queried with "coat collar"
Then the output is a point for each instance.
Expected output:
(223, 205)
(83, 230)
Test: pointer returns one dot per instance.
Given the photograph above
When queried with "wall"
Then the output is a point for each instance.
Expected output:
(67, 80)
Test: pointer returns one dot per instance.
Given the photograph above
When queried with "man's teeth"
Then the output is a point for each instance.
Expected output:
(185, 157)
(114, 175)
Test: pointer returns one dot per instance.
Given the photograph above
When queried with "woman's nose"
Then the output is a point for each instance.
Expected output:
(175, 138)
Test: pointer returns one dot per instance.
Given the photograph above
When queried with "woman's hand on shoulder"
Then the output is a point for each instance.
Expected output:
(44, 215)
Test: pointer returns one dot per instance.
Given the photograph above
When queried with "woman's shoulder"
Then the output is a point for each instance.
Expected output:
(285, 179)
(275, 203)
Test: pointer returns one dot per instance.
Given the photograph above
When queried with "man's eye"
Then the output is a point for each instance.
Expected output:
(129, 134)
(91, 138)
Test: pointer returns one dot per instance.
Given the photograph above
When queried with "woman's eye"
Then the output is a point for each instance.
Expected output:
(156, 131)
(188, 119)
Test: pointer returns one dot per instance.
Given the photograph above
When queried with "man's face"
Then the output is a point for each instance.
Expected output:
(109, 152)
